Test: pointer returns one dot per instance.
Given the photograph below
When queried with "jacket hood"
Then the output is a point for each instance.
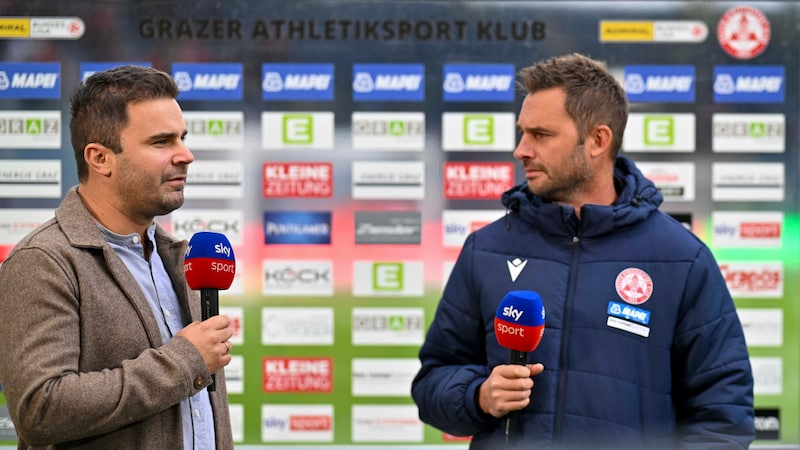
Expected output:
(637, 198)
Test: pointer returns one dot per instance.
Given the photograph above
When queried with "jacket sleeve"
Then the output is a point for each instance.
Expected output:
(712, 378)
(453, 357)
(50, 398)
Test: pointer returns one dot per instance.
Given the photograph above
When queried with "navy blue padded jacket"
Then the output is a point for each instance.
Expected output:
(642, 345)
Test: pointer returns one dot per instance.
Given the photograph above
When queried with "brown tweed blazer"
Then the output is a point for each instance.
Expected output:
(81, 359)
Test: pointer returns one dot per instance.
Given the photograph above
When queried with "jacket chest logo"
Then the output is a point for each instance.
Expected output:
(515, 267)
(634, 286)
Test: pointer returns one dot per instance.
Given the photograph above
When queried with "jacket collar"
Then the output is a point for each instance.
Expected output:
(637, 199)
(81, 230)
(80, 227)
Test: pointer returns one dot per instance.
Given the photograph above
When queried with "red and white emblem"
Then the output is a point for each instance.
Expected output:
(634, 286)
(743, 32)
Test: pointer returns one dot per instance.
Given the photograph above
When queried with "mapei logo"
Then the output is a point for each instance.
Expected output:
(209, 81)
(749, 84)
(294, 81)
(395, 82)
(478, 82)
(665, 84)
(30, 80)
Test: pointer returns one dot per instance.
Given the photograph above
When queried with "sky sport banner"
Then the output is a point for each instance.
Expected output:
(347, 148)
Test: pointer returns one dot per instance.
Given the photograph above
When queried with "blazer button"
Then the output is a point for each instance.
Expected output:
(199, 382)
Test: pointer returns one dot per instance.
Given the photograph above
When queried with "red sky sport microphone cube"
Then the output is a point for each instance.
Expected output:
(519, 324)
(209, 265)
(209, 262)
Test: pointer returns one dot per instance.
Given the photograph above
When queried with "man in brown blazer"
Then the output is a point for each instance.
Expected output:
(101, 344)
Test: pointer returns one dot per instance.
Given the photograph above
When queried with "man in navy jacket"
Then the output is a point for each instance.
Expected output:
(642, 348)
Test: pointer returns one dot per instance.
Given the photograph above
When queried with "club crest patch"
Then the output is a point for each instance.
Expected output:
(634, 286)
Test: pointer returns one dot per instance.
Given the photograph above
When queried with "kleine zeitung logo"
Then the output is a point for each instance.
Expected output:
(297, 374)
(298, 179)
(477, 180)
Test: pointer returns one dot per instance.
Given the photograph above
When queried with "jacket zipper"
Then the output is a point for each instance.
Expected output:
(561, 390)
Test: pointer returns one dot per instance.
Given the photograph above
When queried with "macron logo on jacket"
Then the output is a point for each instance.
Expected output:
(515, 268)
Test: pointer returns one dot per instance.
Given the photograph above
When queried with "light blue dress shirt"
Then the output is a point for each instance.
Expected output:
(198, 418)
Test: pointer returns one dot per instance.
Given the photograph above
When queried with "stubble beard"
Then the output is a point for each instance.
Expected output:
(567, 180)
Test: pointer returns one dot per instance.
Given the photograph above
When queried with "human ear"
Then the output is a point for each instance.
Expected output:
(598, 141)
(98, 158)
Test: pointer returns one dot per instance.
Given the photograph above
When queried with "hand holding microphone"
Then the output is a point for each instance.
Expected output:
(518, 326)
(210, 265)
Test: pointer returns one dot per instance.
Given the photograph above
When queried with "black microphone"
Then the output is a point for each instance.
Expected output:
(209, 265)
(518, 326)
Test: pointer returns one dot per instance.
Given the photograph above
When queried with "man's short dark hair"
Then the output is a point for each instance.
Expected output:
(99, 106)
(593, 96)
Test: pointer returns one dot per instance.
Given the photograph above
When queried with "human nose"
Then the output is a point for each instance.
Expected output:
(523, 149)
(184, 155)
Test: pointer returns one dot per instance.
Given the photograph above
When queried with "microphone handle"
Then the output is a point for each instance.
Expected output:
(519, 358)
(209, 307)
